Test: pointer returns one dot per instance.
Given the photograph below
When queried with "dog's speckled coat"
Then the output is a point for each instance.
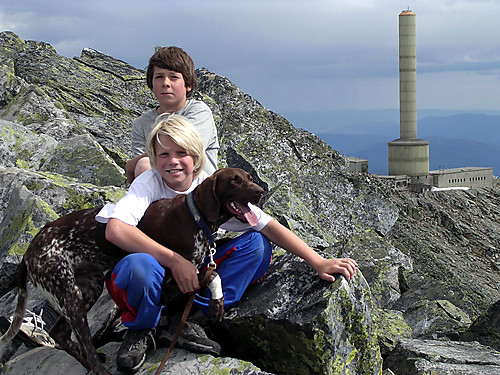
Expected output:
(67, 258)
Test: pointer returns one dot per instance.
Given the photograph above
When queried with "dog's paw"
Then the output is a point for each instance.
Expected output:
(216, 309)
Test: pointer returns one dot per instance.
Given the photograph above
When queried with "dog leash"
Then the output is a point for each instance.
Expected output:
(189, 304)
(209, 235)
(195, 213)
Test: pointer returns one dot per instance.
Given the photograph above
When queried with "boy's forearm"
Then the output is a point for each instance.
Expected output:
(287, 240)
(326, 268)
(133, 240)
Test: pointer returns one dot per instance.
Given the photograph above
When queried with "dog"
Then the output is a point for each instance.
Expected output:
(68, 257)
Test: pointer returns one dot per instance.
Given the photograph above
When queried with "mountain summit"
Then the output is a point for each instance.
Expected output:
(425, 299)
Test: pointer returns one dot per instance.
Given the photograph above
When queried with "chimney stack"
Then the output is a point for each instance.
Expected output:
(408, 155)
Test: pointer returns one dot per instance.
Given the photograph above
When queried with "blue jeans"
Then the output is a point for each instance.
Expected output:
(135, 282)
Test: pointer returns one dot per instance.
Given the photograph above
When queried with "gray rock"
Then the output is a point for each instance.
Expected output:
(312, 326)
(457, 263)
(486, 329)
(432, 257)
(391, 328)
(22, 148)
(432, 319)
(84, 159)
(426, 357)
(53, 361)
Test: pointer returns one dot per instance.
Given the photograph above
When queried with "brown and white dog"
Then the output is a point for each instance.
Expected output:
(67, 258)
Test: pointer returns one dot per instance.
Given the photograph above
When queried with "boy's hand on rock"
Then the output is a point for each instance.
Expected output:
(344, 266)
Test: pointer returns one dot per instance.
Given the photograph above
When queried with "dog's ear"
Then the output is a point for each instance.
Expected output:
(206, 198)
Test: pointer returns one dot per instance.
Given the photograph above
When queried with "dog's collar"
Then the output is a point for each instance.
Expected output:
(195, 213)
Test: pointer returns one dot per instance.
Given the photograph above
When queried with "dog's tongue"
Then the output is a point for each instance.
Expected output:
(249, 215)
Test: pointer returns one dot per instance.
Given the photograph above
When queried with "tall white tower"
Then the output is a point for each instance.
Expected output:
(408, 155)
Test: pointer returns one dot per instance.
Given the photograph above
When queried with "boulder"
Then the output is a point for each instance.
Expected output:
(486, 329)
(426, 357)
(294, 323)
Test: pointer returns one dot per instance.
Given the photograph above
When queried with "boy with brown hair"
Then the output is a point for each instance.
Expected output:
(172, 79)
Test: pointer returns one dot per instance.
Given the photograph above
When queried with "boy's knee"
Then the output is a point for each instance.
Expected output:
(260, 244)
(267, 249)
(142, 165)
(138, 267)
(137, 260)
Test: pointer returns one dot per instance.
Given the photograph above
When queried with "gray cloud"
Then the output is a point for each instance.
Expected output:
(290, 55)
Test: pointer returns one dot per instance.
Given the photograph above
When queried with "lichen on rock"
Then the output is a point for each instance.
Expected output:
(65, 138)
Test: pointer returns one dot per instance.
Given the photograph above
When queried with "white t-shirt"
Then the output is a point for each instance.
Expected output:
(149, 187)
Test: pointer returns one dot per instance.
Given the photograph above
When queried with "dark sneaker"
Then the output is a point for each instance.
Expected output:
(32, 331)
(192, 337)
(132, 352)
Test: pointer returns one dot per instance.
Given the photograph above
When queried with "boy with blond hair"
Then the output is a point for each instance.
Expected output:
(176, 151)
(172, 79)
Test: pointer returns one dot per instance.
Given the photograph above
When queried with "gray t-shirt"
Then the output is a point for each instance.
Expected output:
(198, 113)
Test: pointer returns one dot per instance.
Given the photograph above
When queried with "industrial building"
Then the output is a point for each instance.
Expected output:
(357, 164)
(408, 156)
(462, 177)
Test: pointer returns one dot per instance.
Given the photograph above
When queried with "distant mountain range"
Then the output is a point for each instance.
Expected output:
(457, 139)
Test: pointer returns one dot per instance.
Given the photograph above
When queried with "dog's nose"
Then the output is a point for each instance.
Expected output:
(259, 191)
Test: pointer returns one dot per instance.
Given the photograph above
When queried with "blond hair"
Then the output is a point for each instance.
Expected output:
(183, 133)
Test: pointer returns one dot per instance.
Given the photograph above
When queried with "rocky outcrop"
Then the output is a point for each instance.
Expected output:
(429, 264)
(486, 329)
(414, 357)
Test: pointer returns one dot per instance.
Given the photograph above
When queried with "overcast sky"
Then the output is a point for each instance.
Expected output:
(290, 55)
